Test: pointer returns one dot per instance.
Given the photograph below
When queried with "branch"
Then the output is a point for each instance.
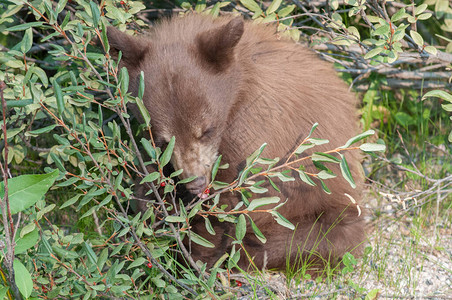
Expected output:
(8, 224)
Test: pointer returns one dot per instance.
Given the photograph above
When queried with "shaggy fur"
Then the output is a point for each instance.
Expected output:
(226, 86)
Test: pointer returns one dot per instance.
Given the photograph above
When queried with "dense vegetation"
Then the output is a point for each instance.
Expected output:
(71, 151)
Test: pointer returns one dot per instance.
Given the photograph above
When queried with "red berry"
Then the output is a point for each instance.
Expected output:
(122, 2)
(162, 184)
(122, 194)
(239, 284)
(207, 191)
(149, 265)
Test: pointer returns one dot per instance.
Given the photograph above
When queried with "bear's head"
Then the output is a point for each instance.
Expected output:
(191, 84)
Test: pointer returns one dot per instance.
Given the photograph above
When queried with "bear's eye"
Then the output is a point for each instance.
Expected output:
(208, 133)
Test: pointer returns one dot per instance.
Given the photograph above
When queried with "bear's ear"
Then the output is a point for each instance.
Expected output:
(217, 46)
(133, 49)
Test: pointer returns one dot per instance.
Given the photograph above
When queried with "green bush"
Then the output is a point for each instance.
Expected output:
(65, 117)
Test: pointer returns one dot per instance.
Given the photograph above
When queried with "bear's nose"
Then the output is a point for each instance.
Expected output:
(197, 186)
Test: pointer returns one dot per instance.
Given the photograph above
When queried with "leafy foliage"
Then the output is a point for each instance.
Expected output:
(67, 117)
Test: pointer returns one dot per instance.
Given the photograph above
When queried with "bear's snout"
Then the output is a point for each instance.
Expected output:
(197, 186)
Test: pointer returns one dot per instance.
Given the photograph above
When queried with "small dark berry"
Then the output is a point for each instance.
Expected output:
(149, 265)
(239, 284)
(162, 184)
(122, 194)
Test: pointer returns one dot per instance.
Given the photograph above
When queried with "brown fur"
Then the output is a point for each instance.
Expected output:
(225, 86)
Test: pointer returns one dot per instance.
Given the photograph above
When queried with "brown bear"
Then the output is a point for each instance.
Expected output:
(226, 86)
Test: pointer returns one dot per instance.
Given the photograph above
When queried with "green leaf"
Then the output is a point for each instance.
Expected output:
(22, 278)
(372, 295)
(317, 141)
(404, 119)
(281, 220)
(215, 167)
(143, 110)
(420, 9)
(200, 240)
(305, 178)
(256, 203)
(200, 6)
(92, 257)
(140, 261)
(273, 6)
(325, 175)
(324, 157)
(373, 52)
(334, 4)
(425, 16)
(345, 170)
(369, 147)
(150, 150)
(186, 180)
(431, 49)
(59, 96)
(215, 10)
(399, 33)
(357, 138)
(303, 147)
(19, 103)
(124, 80)
(24, 26)
(324, 187)
(209, 226)
(42, 130)
(400, 14)
(286, 11)
(282, 177)
(439, 94)
(95, 12)
(251, 5)
(151, 177)
(58, 162)
(166, 156)
(234, 258)
(26, 242)
(250, 159)
(88, 213)
(175, 219)
(257, 231)
(26, 190)
(240, 228)
(60, 6)
(417, 38)
(27, 40)
(71, 201)
(44, 211)
(382, 30)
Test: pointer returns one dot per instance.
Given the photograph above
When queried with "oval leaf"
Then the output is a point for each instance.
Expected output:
(200, 240)
(261, 202)
(26, 190)
(22, 279)
(166, 156)
(240, 228)
(369, 147)
(417, 38)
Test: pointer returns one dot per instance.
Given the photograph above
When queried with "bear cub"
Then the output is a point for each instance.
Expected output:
(226, 86)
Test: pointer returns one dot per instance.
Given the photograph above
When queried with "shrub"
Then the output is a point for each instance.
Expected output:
(65, 114)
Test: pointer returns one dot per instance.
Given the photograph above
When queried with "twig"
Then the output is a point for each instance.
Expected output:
(8, 224)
